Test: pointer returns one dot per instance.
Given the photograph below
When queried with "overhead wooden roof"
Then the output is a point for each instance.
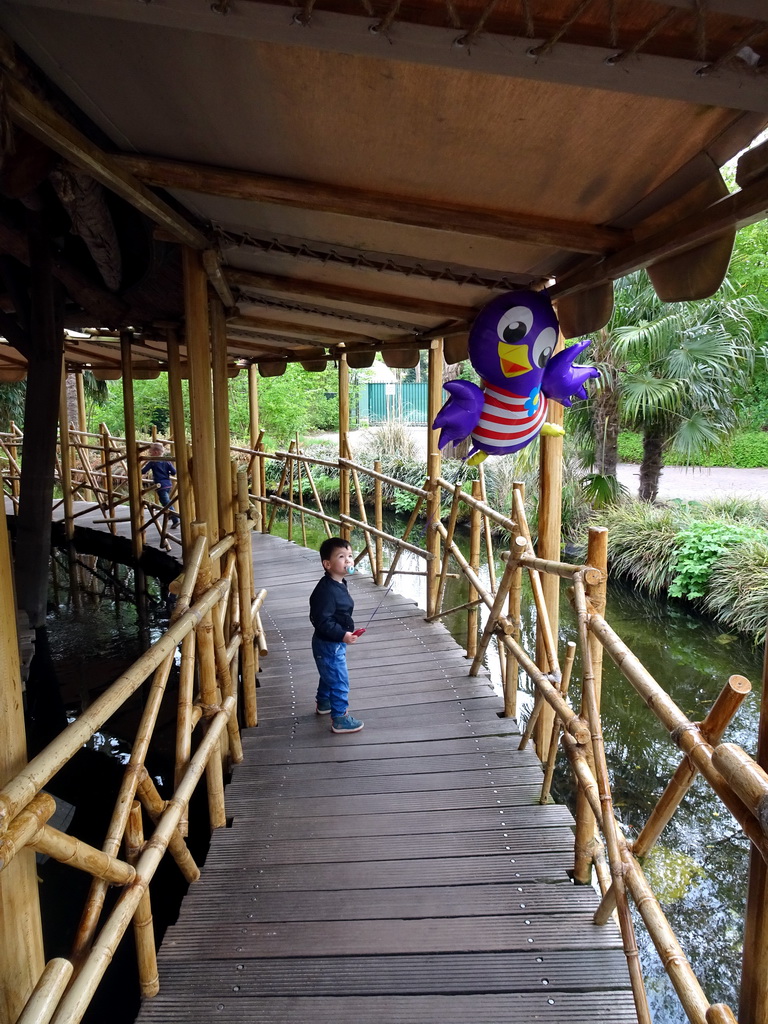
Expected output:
(362, 176)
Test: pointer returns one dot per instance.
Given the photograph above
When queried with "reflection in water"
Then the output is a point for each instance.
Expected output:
(699, 866)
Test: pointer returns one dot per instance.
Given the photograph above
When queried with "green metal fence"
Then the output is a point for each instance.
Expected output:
(381, 402)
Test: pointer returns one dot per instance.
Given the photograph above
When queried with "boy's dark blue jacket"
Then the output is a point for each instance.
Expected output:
(330, 609)
(161, 471)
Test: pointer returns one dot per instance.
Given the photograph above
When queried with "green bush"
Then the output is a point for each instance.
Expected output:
(738, 590)
(698, 549)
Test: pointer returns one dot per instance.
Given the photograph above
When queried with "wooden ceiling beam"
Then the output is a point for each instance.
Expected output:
(250, 279)
(379, 206)
(38, 118)
(268, 325)
(731, 212)
(219, 283)
(490, 53)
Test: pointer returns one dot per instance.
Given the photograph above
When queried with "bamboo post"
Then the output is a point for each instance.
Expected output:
(300, 487)
(400, 546)
(253, 427)
(209, 697)
(473, 615)
(181, 455)
(66, 460)
(244, 574)
(291, 462)
(379, 523)
(753, 1001)
(432, 539)
(146, 954)
(597, 556)
(221, 418)
(493, 618)
(549, 771)
(487, 529)
(43, 1002)
(514, 608)
(344, 452)
(550, 522)
(131, 451)
(82, 426)
(200, 400)
(15, 476)
(184, 710)
(317, 498)
(364, 519)
(281, 484)
(263, 485)
(21, 936)
(447, 547)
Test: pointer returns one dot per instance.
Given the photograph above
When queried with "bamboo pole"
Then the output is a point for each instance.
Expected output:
(209, 697)
(68, 850)
(143, 932)
(21, 937)
(364, 520)
(550, 521)
(432, 538)
(545, 634)
(13, 453)
(181, 454)
(66, 460)
(155, 806)
(244, 573)
(610, 830)
(132, 459)
(487, 530)
(503, 521)
(281, 484)
(714, 725)
(263, 487)
(492, 623)
(226, 688)
(43, 1002)
(275, 501)
(753, 1001)
(300, 486)
(406, 534)
(344, 452)
(597, 556)
(747, 779)
(184, 714)
(473, 617)
(80, 993)
(388, 536)
(514, 609)
(378, 518)
(451, 529)
(223, 456)
(325, 520)
(549, 770)
(420, 492)
(255, 436)
(200, 400)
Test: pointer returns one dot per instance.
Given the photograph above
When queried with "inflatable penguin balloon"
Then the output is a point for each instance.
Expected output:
(510, 345)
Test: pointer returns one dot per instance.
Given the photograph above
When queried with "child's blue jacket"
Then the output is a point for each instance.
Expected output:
(330, 609)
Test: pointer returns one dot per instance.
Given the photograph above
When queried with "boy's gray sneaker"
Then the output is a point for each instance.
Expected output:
(323, 707)
(346, 724)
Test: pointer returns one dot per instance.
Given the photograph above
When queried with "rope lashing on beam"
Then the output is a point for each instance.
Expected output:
(528, 16)
(471, 36)
(227, 239)
(665, 19)
(554, 39)
(453, 14)
(304, 16)
(755, 32)
(382, 27)
(700, 8)
(336, 314)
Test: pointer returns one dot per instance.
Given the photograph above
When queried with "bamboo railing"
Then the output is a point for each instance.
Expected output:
(493, 616)
(215, 622)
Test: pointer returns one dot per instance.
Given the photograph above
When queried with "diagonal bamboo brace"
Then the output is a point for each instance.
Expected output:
(493, 619)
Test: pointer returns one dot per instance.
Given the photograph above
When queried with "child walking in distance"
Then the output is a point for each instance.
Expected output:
(161, 470)
(330, 612)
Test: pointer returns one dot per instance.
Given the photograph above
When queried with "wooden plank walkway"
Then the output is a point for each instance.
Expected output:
(402, 874)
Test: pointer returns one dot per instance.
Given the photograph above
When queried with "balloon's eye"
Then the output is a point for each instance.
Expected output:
(515, 324)
(544, 347)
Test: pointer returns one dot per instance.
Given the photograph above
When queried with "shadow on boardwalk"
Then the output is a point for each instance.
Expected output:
(406, 873)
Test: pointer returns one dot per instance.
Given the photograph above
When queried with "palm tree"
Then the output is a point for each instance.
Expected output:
(672, 372)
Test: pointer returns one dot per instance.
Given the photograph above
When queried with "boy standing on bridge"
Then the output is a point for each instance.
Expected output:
(162, 470)
(330, 612)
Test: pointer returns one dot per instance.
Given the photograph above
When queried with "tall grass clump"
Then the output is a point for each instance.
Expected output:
(641, 542)
(738, 589)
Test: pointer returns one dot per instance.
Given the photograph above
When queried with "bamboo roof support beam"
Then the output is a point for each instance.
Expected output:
(41, 121)
(354, 202)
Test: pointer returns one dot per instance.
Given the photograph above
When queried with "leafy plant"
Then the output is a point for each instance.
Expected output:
(697, 549)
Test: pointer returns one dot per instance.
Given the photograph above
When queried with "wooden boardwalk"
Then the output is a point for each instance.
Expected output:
(402, 874)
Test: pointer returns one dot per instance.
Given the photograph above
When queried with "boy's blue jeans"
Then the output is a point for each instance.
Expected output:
(331, 660)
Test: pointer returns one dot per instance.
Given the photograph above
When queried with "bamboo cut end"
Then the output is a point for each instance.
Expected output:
(741, 685)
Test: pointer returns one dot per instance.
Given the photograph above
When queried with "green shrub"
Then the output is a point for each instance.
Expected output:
(747, 449)
(630, 447)
(698, 548)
